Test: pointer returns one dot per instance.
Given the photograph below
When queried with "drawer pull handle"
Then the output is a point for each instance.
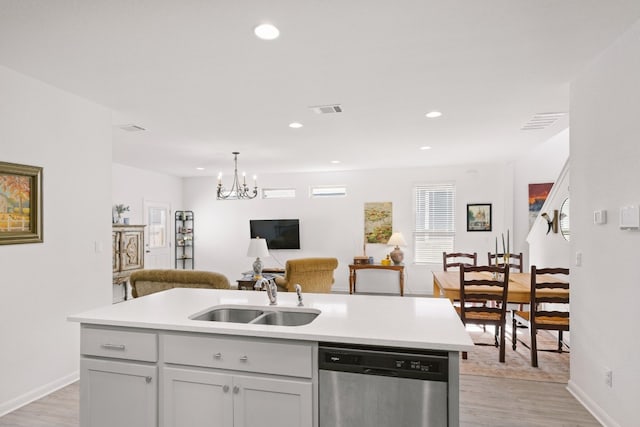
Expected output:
(148, 379)
(236, 389)
(113, 346)
(225, 388)
(217, 356)
(244, 358)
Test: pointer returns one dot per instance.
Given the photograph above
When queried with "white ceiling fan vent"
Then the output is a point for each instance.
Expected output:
(327, 109)
(132, 128)
(542, 121)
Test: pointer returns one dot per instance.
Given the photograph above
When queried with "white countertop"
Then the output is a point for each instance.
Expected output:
(412, 322)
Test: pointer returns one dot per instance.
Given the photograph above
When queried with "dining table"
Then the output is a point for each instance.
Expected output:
(447, 284)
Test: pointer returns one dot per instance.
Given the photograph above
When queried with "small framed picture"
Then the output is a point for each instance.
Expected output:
(479, 217)
(20, 204)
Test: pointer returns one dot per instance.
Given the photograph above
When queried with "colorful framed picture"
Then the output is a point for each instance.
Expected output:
(20, 204)
(479, 217)
(377, 222)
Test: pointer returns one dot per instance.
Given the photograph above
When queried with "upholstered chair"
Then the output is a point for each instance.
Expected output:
(144, 282)
(315, 275)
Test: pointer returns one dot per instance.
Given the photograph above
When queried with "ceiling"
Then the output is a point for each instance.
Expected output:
(192, 74)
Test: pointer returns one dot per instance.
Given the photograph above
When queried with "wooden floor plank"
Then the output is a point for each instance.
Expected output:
(484, 401)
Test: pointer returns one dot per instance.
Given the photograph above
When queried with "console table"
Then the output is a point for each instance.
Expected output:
(354, 267)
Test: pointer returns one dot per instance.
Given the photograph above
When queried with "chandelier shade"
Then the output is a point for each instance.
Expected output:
(237, 190)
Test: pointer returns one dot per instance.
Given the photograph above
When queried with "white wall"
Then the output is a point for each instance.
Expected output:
(605, 172)
(546, 248)
(132, 187)
(542, 164)
(334, 227)
(41, 284)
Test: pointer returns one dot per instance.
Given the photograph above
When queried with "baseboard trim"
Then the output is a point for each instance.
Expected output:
(38, 393)
(593, 408)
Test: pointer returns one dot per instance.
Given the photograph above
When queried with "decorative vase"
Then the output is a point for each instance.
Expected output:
(397, 256)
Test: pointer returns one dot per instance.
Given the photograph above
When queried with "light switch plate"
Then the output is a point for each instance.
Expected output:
(600, 217)
(630, 217)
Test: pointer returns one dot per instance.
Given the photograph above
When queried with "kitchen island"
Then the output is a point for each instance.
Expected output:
(147, 362)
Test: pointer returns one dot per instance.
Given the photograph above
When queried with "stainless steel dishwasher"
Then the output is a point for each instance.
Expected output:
(361, 386)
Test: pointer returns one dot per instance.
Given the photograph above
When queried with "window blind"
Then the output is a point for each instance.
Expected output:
(435, 229)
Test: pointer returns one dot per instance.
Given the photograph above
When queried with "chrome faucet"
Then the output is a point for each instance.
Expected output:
(272, 291)
(299, 292)
(260, 284)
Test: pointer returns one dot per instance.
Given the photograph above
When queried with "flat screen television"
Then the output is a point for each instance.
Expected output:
(279, 233)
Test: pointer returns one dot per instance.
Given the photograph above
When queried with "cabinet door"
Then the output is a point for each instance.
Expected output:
(196, 398)
(117, 394)
(115, 251)
(132, 257)
(272, 402)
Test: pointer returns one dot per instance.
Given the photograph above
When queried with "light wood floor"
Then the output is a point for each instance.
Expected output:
(484, 401)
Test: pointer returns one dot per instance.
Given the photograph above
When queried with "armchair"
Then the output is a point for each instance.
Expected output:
(144, 282)
(315, 275)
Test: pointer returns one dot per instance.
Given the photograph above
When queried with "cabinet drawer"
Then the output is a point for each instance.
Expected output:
(240, 353)
(119, 344)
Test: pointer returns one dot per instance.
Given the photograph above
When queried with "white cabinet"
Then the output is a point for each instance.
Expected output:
(231, 396)
(138, 378)
(207, 398)
(118, 378)
(114, 393)
(196, 398)
(272, 402)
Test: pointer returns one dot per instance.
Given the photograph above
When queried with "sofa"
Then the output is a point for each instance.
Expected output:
(314, 275)
(145, 282)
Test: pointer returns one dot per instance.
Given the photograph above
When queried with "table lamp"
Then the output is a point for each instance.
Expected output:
(397, 240)
(257, 248)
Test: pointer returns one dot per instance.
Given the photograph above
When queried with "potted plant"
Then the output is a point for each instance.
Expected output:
(120, 209)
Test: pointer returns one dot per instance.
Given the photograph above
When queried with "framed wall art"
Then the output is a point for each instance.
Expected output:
(20, 204)
(377, 222)
(479, 217)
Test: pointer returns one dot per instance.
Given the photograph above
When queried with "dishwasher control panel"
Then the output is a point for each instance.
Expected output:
(402, 363)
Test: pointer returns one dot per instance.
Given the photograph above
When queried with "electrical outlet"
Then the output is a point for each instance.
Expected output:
(608, 377)
(578, 259)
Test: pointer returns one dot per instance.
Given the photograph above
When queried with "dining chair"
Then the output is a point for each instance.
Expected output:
(490, 286)
(515, 261)
(456, 259)
(545, 290)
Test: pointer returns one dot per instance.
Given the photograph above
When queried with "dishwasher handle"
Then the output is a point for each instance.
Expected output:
(380, 372)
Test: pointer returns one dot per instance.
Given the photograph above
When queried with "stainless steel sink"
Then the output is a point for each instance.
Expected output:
(234, 315)
(258, 316)
(285, 318)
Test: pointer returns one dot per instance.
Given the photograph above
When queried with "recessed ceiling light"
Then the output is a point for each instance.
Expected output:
(335, 162)
(433, 114)
(200, 168)
(295, 125)
(266, 32)
(425, 147)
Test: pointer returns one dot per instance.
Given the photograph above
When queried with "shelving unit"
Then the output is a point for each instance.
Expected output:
(184, 240)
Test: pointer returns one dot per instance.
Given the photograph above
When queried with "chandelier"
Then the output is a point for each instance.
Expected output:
(237, 191)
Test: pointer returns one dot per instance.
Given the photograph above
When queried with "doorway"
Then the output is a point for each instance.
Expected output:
(157, 235)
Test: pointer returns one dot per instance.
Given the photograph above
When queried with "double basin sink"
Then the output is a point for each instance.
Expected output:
(258, 315)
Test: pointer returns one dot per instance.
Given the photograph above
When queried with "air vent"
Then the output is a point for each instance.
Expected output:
(327, 109)
(542, 121)
(132, 128)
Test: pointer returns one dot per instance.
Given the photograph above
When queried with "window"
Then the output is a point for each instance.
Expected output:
(328, 191)
(278, 193)
(435, 221)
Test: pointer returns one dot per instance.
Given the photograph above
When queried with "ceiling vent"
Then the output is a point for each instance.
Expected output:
(132, 128)
(542, 121)
(327, 109)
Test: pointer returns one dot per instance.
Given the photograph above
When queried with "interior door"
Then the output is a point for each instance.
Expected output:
(157, 235)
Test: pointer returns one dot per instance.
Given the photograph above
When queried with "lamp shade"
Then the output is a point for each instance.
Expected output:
(397, 239)
(258, 248)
